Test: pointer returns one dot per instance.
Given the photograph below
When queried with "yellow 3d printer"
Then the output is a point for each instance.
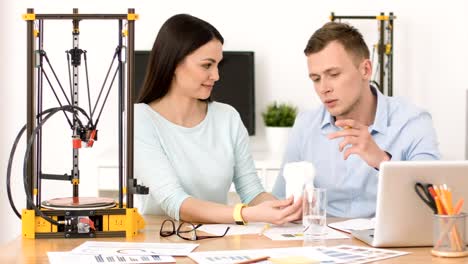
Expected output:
(75, 216)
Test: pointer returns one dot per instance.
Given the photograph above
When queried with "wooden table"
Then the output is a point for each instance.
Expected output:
(35, 251)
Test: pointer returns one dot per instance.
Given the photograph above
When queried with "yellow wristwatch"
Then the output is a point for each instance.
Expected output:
(237, 214)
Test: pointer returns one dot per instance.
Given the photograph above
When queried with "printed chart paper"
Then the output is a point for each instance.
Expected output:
(234, 256)
(328, 255)
(134, 249)
(74, 258)
(358, 255)
(295, 233)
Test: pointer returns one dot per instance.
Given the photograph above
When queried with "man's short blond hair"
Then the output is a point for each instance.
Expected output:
(345, 34)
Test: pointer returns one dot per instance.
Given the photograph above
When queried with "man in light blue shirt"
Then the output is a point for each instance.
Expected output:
(356, 128)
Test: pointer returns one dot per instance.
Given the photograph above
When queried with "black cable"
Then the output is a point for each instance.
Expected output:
(68, 108)
(83, 112)
(10, 164)
(27, 190)
(50, 112)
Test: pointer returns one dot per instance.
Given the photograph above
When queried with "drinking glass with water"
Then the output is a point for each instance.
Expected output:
(314, 213)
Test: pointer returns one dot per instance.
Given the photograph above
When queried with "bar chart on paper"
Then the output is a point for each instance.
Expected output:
(328, 255)
(228, 259)
(72, 258)
(238, 256)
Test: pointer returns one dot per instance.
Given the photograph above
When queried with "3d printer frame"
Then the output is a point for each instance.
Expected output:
(123, 220)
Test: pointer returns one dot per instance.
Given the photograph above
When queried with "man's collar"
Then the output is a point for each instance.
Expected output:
(327, 119)
(381, 116)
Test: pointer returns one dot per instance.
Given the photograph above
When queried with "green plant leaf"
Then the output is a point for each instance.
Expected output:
(279, 115)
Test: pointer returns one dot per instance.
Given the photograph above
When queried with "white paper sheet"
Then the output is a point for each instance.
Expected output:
(234, 256)
(135, 249)
(357, 255)
(295, 233)
(218, 229)
(338, 254)
(74, 258)
(354, 224)
(289, 231)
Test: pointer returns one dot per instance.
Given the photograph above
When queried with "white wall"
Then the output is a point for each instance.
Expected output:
(429, 67)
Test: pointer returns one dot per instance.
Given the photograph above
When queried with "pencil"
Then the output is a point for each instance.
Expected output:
(436, 200)
(449, 199)
(458, 206)
(439, 195)
(254, 260)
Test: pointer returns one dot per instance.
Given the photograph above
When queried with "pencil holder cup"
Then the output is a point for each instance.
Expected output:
(449, 236)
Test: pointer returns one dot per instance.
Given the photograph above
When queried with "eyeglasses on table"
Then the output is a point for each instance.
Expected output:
(185, 230)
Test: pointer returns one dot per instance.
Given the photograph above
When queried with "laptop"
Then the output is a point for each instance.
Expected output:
(402, 219)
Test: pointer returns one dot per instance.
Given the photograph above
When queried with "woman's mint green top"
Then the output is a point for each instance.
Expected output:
(177, 162)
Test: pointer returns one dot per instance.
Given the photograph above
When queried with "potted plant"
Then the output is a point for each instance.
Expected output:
(278, 119)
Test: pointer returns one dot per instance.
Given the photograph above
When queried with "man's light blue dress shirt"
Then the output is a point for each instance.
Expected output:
(401, 129)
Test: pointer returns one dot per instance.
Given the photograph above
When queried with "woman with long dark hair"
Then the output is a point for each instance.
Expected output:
(188, 149)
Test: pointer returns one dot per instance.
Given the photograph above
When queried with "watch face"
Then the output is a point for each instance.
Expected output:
(240, 223)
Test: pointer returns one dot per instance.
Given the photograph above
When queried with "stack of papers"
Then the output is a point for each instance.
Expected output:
(122, 252)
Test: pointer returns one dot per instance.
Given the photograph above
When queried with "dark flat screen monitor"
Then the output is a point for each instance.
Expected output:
(236, 84)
